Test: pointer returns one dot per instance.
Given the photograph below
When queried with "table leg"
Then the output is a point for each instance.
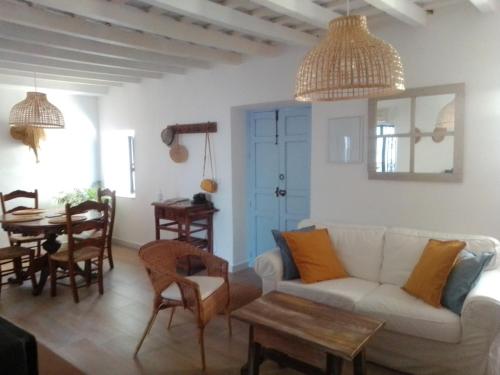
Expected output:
(254, 356)
(333, 364)
(187, 227)
(359, 364)
(51, 245)
(210, 237)
(254, 359)
(41, 264)
(157, 227)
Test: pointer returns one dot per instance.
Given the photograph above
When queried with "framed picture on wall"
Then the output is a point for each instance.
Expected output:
(345, 140)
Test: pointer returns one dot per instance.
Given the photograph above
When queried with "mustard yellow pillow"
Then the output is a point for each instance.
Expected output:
(429, 276)
(314, 255)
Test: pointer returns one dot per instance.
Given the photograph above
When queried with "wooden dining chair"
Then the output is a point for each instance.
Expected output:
(205, 296)
(109, 197)
(15, 255)
(83, 250)
(22, 197)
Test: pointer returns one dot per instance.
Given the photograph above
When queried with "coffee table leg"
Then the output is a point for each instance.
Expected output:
(359, 364)
(254, 360)
(254, 356)
(333, 365)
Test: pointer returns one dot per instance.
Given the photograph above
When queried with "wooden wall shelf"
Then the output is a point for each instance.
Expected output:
(202, 127)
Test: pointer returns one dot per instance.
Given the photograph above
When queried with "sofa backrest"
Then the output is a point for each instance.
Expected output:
(403, 248)
(359, 247)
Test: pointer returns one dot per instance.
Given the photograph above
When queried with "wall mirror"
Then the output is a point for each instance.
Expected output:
(417, 135)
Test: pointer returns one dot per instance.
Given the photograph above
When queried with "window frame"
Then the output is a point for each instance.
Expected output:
(456, 175)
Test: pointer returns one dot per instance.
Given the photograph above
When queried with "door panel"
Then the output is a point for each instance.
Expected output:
(263, 174)
(267, 172)
(279, 157)
(294, 127)
(297, 165)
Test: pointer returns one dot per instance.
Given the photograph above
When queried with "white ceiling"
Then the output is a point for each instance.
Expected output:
(94, 44)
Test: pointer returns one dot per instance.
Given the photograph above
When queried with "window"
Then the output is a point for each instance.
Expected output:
(118, 161)
(387, 148)
(131, 161)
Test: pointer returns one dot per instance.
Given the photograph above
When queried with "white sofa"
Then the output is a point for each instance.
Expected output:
(417, 338)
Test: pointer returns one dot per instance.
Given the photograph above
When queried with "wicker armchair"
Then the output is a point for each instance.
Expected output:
(205, 296)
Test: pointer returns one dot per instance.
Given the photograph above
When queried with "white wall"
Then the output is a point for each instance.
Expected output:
(68, 157)
(458, 45)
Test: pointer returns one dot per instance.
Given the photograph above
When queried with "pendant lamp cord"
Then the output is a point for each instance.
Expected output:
(34, 74)
(348, 8)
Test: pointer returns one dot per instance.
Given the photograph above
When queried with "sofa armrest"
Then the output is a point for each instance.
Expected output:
(269, 267)
(482, 306)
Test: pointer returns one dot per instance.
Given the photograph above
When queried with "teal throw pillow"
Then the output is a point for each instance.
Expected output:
(463, 278)
(290, 270)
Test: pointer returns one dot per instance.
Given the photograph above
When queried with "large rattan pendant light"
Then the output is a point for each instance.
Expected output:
(36, 111)
(349, 63)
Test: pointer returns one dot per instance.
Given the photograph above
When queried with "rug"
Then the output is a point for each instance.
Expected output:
(242, 294)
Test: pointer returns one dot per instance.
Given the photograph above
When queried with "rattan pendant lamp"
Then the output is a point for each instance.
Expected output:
(349, 63)
(30, 117)
(36, 111)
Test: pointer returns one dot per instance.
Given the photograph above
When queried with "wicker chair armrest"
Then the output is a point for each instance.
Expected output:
(215, 266)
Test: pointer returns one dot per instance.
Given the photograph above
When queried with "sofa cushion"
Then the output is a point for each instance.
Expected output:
(429, 276)
(341, 293)
(208, 285)
(408, 315)
(463, 278)
(290, 270)
(358, 247)
(403, 248)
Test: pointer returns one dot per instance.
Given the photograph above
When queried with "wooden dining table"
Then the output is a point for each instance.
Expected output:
(51, 245)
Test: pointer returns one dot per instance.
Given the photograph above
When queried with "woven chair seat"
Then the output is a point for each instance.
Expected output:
(20, 238)
(208, 285)
(79, 255)
(86, 235)
(12, 252)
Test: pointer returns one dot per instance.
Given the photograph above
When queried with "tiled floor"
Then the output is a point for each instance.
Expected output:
(99, 334)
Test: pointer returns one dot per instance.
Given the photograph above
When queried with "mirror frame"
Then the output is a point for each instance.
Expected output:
(456, 176)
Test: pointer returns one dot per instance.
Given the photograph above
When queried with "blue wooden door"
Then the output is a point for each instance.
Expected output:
(279, 173)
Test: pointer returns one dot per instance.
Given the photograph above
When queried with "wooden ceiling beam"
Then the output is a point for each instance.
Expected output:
(304, 10)
(81, 57)
(57, 77)
(404, 10)
(75, 88)
(31, 68)
(23, 14)
(54, 63)
(133, 18)
(49, 38)
(485, 6)
(214, 13)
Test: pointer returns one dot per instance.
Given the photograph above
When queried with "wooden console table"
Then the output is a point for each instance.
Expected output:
(188, 221)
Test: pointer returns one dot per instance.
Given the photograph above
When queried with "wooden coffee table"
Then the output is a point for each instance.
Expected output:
(304, 335)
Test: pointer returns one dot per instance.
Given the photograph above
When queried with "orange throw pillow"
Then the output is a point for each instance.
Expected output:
(429, 276)
(314, 255)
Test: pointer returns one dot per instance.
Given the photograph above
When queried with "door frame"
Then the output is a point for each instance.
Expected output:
(251, 255)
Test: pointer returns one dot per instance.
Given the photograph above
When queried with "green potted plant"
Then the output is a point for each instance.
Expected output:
(77, 196)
